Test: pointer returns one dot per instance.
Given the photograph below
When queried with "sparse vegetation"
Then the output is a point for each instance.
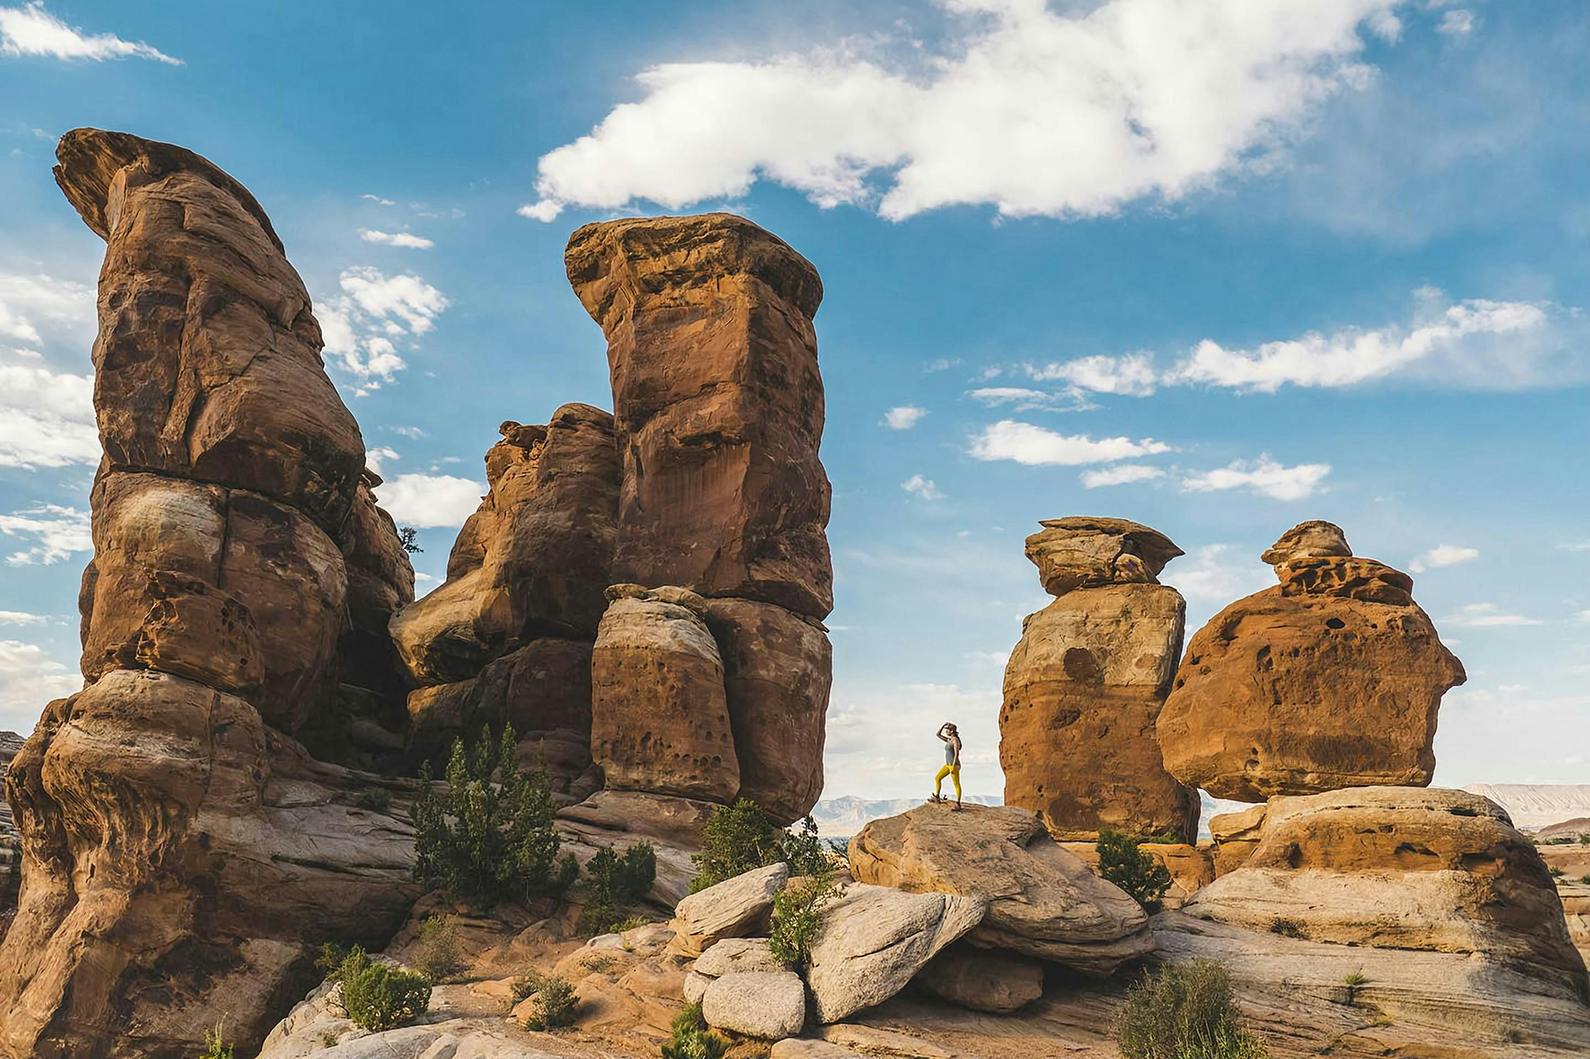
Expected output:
(378, 997)
(554, 1004)
(408, 538)
(438, 958)
(739, 838)
(1185, 1011)
(526, 986)
(1121, 862)
(797, 916)
(1585, 880)
(215, 1043)
(1352, 982)
(613, 881)
(489, 837)
(1556, 872)
(691, 1039)
(1287, 928)
(375, 799)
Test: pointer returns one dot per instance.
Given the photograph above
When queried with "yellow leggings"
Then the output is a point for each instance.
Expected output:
(954, 773)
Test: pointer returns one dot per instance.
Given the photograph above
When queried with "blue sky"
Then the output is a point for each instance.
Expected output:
(1218, 267)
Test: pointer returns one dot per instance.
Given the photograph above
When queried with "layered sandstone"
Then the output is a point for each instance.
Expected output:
(1330, 679)
(180, 851)
(1084, 686)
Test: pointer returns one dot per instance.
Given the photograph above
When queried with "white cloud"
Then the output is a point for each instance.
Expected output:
(1456, 23)
(407, 240)
(545, 211)
(360, 324)
(1036, 446)
(1443, 555)
(1480, 343)
(59, 532)
(1131, 374)
(428, 500)
(21, 617)
(903, 417)
(1486, 616)
(1263, 476)
(1124, 474)
(29, 678)
(35, 305)
(922, 487)
(1030, 110)
(408, 432)
(31, 30)
(376, 457)
(46, 418)
(377, 199)
(1024, 399)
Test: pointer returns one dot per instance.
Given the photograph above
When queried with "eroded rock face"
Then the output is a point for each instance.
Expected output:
(1403, 868)
(1084, 686)
(982, 980)
(718, 405)
(1330, 679)
(1042, 901)
(181, 852)
(659, 717)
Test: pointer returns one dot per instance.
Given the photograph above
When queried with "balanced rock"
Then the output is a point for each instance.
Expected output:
(734, 908)
(718, 405)
(1313, 539)
(873, 941)
(1084, 686)
(659, 719)
(1081, 551)
(982, 980)
(1330, 679)
(769, 1005)
(1402, 868)
(1042, 901)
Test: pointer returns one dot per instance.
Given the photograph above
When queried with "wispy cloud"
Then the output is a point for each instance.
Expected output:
(1263, 476)
(1487, 616)
(407, 240)
(1025, 399)
(1443, 555)
(1033, 445)
(21, 617)
(903, 417)
(1027, 109)
(58, 532)
(1124, 474)
(29, 678)
(922, 487)
(32, 31)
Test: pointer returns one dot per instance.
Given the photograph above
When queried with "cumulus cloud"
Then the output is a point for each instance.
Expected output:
(31, 30)
(1443, 555)
(29, 678)
(1263, 476)
(46, 418)
(57, 533)
(362, 324)
(1486, 616)
(408, 240)
(1033, 445)
(425, 501)
(922, 487)
(1123, 474)
(376, 458)
(34, 305)
(903, 417)
(1027, 109)
(1131, 374)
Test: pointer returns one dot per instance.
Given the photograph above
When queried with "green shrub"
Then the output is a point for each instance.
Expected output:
(1585, 879)
(739, 838)
(215, 1044)
(1124, 864)
(527, 985)
(1556, 872)
(613, 881)
(489, 837)
(329, 962)
(1185, 1011)
(376, 799)
(691, 1039)
(377, 997)
(438, 957)
(797, 916)
(554, 1004)
(1584, 839)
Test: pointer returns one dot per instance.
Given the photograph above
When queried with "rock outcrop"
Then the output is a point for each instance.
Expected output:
(180, 850)
(734, 908)
(1330, 679)
(1042, 901)
(769, 1005)
(1402, 868)
(1084, 687)
(982, 980)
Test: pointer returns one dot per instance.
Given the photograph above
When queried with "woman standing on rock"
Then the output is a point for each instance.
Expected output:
(952, 763)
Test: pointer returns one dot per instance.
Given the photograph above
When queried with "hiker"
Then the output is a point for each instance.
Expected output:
(952, 763)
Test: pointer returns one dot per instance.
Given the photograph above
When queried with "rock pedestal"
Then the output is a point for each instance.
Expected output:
(1330, 679)
(1084, 686)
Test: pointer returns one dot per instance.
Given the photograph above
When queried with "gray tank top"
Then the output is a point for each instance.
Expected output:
(949, 753)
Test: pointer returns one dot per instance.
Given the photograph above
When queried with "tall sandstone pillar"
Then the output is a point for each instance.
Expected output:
(1085, 684)
(718, 414)
(179, 848)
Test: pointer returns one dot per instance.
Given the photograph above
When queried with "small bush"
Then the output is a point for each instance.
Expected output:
(691, 1039)
(329, 962)
(378, 997)
(1556, 872)
(1585, 879)
(1353, 981)
(739, 838)
(1124, 864)
(613, 881)
(215, 1044)
(554, 1004)
(1185, 1011)
(375, 799)
(527, 985)
(438, 957)
(1584, 839)
(797, 916)
(489, 837)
